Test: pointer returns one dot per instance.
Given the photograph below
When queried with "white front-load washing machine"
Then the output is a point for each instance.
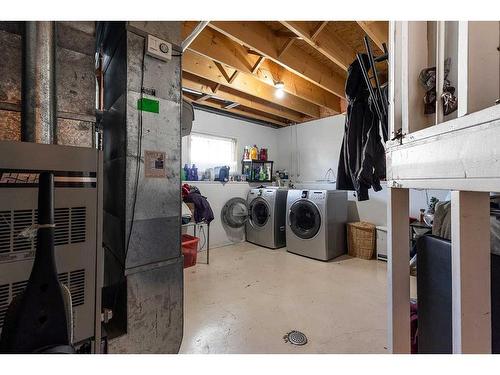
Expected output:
(316, 223)
(266, 217)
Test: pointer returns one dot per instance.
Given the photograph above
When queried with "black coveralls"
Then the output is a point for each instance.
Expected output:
(362, 156)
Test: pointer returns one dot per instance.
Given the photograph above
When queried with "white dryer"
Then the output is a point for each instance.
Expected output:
(316, 223)
(266, 217)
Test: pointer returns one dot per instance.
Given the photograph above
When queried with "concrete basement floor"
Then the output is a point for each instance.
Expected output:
(249, 297)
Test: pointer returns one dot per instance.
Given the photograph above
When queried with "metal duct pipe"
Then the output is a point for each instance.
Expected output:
(39, 100)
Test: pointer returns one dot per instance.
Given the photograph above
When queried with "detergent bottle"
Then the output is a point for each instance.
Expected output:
(194, 173)
(254, 153)
(246, 153)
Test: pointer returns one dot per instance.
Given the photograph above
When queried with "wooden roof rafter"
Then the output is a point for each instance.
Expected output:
(229, 53)
(201, 66)
(263, 39)
(236, 65)
(378, 31)
(203, 86)
(329, 45)
(315, 32)
(240, 112)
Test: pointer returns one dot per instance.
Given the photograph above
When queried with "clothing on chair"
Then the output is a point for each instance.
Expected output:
(202, 209)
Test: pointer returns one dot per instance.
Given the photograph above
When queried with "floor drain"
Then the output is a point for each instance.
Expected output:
(295, 338)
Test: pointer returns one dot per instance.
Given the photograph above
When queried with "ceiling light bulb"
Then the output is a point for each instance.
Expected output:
(279, 94)
(280, 85)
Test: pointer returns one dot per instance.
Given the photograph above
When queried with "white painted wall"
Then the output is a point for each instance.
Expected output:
(308, 150)
(245, 133)
(217, 195)
(318, 144)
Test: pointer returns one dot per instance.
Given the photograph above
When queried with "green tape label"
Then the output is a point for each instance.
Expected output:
(148, 105)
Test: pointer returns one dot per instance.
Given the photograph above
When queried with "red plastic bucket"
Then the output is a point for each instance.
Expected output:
(189, 249)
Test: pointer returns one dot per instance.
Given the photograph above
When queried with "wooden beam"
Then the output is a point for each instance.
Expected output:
(470, 272)
(318, 29)
(233, 77)
(239, 112)
(216, 88)
(285, 47)
(261, 38)
(252, 52)
(203, 98)
(398, 271)
(257, 64)
(192, 82)
(298, 86)
(223, 71)
(232, 105)
(202, 67)
(219, 47)
(285, 34)
(378, 31)
(330, 45)
(192, 36)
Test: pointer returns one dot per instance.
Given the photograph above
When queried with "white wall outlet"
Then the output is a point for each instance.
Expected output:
(158, 48)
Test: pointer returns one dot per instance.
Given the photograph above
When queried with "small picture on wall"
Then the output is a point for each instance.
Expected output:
(154, 164)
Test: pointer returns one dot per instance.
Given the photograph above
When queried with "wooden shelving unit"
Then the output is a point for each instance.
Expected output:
(459, 154)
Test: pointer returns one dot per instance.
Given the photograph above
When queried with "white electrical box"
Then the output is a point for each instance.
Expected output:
(158, 48)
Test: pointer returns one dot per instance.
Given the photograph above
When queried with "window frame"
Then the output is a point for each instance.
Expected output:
(234, 162)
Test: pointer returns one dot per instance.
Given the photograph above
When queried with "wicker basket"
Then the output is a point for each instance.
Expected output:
(361, 238)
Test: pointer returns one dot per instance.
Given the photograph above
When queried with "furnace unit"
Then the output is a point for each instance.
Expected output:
(78, 235)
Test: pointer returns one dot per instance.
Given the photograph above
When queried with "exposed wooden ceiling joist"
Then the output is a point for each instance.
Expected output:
(232, 105)
(200, 85)
(257, 64)
(193, 34)
(318, 29)
(378, 31)
(261, 38)
(203, 98)
(285, 47)
(218, 47)
(295, 85)
(329, 45)
(235, 66)
(237, 111)
(201, 66)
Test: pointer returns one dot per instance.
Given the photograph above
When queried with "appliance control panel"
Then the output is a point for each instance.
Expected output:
(268, 193)
(158, 48)
(317, 195)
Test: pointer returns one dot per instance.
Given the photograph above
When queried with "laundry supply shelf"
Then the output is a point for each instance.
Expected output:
(252, 170)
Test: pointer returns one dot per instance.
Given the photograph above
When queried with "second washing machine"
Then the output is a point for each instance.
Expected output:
(266, 217)
(316, 222)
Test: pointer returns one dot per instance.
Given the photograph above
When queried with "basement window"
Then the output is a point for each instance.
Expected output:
(208, 151)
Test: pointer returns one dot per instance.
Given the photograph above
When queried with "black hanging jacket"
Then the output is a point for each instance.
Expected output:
(362, 156)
